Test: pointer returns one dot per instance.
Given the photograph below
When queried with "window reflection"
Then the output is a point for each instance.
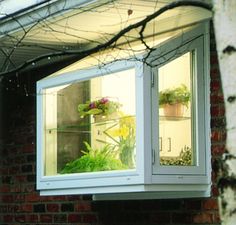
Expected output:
(175, 112)
(90, 126)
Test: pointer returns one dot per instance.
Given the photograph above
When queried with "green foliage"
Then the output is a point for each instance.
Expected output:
(184, 159)
(103, 159)
(102, 106)
(173, 96)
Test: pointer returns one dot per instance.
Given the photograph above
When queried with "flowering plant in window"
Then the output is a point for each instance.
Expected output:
(124, 138)
(103, 106)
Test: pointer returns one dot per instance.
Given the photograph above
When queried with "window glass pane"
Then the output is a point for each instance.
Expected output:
(90, 125)
(175, 113)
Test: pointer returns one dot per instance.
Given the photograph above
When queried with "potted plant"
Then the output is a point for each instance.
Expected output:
(101, 109)
(173, 100)
(94, 159)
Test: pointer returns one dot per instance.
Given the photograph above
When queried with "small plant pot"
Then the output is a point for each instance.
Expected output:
(102, 118)
(175, 110)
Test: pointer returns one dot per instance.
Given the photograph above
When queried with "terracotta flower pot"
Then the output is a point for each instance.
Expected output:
(175, 110)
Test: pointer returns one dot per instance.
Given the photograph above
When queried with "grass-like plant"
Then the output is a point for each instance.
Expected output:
(184, 159)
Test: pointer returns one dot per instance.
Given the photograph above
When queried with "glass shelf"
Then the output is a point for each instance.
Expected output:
(74, 128)
(174, 118)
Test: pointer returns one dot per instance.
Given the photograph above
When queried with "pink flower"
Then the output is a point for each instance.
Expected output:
(92, 105)
(104, 100)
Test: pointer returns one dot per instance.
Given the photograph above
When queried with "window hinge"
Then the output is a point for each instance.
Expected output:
(153, 80)
(153, 156)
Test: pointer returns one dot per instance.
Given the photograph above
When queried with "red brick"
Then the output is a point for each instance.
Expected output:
(21, 178)
(44, 198)
(217, 110)
(83, 207)
(56, 198)
(217, 150)
(60, 218)
(214, 59)
(210, 204)
(215, 136)
(74, 197)
(216, 218)
(33, 197)
(52, 207)
(214, 191)
(215, 73)
(215, 85)
(218, 136)
(14, 170)
(29, 188)
(12, 208)
(203, 218)
(8, 218)
(19, 198)
(4, 188)
(46, 218)
(16, 189)
(7, 198)
(72, 218)
(32, 218)
(20, 218)
(214, 177)
(217, 97)
(25, 208)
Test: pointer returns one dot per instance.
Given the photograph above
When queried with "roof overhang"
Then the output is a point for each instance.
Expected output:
(76, 25)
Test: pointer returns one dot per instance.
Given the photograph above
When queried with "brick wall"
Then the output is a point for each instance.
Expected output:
(20, 203)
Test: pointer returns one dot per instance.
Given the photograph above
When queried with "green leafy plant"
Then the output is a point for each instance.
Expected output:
(184, 159)
(103, 106)
(103, 159)
(173, 96)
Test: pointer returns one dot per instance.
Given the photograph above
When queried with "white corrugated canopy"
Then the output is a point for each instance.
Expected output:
(80, 24)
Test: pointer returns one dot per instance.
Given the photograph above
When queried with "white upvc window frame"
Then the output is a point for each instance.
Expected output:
(98, 179)
(193, 41)
(148, 180)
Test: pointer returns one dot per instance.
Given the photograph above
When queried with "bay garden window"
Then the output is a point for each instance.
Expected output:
(133, 128)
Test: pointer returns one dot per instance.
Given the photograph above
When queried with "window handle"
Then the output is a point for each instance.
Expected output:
(169, 141)
(160, 144)
(153, 80)
(153, 156)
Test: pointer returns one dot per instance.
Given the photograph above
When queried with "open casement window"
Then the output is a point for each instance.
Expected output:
(179, 109)
(135, 128)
